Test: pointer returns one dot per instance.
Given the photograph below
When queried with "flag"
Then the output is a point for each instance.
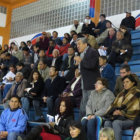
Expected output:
(92, 8)
(33, 40)
(137, 24)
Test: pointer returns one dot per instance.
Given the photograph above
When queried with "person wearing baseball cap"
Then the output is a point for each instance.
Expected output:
(128, 21)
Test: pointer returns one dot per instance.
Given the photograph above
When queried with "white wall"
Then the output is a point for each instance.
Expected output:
(2, 20)
(116, 20)
(1, 38)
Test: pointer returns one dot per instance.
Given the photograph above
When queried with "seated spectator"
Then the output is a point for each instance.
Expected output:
(73, 42)
(76, 131)
(128, 21)
(88, 26)
(11, 48)
(127, 35)
(13, 120)
(107, 71)
(35, 54)
(124, 71)
(10, 75)
(101, 26)
(29, 45)
(73, 90)
(124, 109)
(56, 38)
(56, 60)
(67, 35)
(22, 45)
(43, 41)
(41, 56)
(17, 88)
(121, 50)
(72, 33)
(107, 134)
(6, 48)
(33, 94)
(27, 57)
(64, 48)
(43, 69)
(54, 86)
(51, 47)
(57, 130)
(10, 60)
(49, 35)
(107, 44)
(76, 26)
(137, 134)
(97, 105)
(91, 40)
(68, 65)
(24, 69)
(17, 53)
(104, 34)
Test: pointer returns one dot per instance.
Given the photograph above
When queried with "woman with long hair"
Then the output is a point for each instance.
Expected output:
(33, 93)
(76, 131)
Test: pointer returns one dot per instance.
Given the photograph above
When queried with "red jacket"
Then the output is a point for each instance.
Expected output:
(64, 49)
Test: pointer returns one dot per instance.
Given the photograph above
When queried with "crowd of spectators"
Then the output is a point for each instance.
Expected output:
(76, 71)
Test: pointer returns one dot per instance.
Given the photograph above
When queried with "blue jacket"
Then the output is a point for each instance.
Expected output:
(109, 73)
(13, 121)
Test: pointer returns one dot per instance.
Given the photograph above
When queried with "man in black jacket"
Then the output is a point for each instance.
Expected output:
(128, 21)
(88, 62)
(54, 86)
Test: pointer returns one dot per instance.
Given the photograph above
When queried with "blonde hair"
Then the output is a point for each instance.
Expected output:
(108, 132)
(137, 130)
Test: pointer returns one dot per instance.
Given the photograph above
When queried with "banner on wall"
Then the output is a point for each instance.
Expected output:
(33, 40)
(92, 8)
(137, 24)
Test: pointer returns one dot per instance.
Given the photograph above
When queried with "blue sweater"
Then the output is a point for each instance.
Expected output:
(13, 121)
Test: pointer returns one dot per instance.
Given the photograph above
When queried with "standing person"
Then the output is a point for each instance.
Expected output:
(88, 62)
(13, 120)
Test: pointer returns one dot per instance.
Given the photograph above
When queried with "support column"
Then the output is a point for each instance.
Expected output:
(5, 31)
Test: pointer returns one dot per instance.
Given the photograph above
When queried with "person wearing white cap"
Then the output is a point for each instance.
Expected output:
(76, 26)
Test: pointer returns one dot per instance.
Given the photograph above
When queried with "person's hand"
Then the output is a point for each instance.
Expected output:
(32, 65)
(65, 94)
(34, 94)
(10, 79)
(3, 134)
(52, 124)
(25, 89)
(4, 100)
(62, 73)
(44, 99)
(77, 59)
(90, 117)
(122, 51)
(104, 48)
(96, 30)
(117, 112)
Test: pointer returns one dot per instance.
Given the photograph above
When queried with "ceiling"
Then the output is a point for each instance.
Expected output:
(15, 3)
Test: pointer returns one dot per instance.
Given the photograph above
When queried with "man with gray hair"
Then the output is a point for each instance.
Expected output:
(17, 88)
(88, 62)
